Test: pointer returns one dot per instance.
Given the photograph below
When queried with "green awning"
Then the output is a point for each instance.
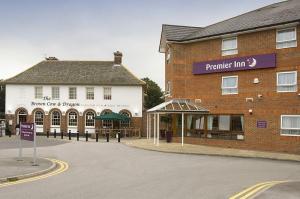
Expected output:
(113, 116)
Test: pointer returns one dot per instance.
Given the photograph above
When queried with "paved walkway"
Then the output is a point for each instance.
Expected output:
(12, 167)
(207, 150)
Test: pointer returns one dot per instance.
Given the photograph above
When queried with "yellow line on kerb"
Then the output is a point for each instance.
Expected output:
(251, 191)
(62, 166)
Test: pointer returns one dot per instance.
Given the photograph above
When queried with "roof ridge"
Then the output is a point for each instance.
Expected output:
(182, 26)
(284, 1)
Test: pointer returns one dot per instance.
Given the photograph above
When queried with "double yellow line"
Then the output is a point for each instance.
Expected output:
(62, 166)
(251, 191)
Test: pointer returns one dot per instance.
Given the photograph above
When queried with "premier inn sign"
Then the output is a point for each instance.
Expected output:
(235, 64)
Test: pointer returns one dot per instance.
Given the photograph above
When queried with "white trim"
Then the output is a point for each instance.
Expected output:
(284, 41)
(288, 128)
(223, 50)
(236, 87)
(85, 119)
(295, 83)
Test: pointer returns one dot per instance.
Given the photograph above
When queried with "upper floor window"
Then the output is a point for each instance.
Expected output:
(229, 46)
(290, 125)
(168, 88)
(55, 93)
(168, 55)
(286, 38)
(229, 85)
(38, 92)
(287, 81)
(90, 93)
(72, 93)
(107, 93)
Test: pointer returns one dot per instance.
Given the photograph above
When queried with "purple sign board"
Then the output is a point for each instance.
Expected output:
(27, 131)
(261, 124)
(235, 64)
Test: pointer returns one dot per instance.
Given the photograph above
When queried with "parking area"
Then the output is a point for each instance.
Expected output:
(114, 170)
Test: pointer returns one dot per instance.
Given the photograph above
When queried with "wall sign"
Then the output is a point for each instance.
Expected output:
(261, 124)
(235, 64)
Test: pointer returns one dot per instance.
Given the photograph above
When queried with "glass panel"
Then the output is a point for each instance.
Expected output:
(224, 122)
(286, 35)
(237, 123)
(107, 93)
(55, 120)
(38, 92)
(72, 93)
(90, 119)
(289, 122)
(229, 44)
(90, 93)
(72, 119)
(286, 78)
(39, 118)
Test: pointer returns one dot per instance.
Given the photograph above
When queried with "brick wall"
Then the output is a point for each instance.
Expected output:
(208, 88)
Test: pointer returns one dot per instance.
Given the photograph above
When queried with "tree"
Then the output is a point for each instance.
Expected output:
(153, 94)
(2, 99)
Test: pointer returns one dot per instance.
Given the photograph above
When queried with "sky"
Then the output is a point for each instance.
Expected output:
(30, 30)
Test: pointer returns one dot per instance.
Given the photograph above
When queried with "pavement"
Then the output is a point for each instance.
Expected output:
(115, 170)
(207, 150)
(14, 168)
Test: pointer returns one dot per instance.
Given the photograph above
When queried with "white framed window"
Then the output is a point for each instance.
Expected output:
(125, 124)
(107, 93)
(90, 119)
(55, 93)
(290, 125)
(169, 88)
(55, 118)
(90, 93)
(229, 85)
(286, 38)
(287, 81)
(72, 92)
(39, 118)
(229, 46)
(168, 55)
(38, 92)
(72, 119)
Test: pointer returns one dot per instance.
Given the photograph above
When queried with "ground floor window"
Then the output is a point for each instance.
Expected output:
(290, 125)
(72, 119)
(90, 119)
(125, 124)
(225, 123)
(39, 118)
(55, 118)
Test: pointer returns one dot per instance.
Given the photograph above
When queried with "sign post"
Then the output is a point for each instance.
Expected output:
(28, 132)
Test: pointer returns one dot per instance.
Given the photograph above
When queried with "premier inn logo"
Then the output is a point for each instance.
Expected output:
(235, 64)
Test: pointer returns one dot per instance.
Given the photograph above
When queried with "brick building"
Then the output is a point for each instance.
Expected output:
(65, 96)
(244, 71)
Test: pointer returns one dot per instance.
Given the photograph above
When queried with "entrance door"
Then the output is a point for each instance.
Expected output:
(22, 117)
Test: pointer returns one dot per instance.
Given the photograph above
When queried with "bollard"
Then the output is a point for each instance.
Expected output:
(69, 134)
(97, 136)
(47, 133)
(86, 136)
(54, 133)
(62, 135)
(107, 137)
(77, 135)
(119, 136)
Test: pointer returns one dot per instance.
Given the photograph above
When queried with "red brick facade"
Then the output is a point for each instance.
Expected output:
(207, 87)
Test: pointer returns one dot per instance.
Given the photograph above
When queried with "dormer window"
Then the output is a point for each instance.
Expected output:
(229, 46)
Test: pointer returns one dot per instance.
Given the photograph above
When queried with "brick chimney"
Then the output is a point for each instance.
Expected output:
(118, 58)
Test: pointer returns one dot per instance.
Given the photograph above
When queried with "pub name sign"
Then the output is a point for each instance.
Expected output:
(235, 64)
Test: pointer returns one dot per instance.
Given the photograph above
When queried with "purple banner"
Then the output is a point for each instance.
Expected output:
(27, 131)
(261, 124)
(235, 64)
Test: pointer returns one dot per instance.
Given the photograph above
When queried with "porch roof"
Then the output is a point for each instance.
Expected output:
(178, 106)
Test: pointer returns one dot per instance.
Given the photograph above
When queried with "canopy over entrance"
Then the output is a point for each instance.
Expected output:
(177, 106)
(113, 116)
(174, 106)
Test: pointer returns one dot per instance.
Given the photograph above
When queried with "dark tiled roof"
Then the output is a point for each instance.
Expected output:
(274, 14)
(76, 73)
(175, 32)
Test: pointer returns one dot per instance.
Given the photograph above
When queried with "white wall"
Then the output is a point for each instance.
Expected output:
(123, 97)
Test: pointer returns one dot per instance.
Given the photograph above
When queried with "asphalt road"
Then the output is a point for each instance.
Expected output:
(113, 170)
